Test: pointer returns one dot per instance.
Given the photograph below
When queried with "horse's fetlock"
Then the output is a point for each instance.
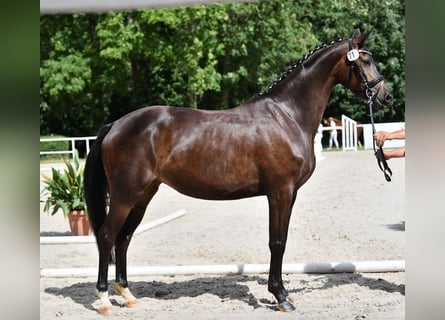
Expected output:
(101, 288)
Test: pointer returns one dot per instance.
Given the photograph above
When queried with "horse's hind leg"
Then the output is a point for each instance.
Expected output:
(121, 246)
(123, 241)
(106, 239)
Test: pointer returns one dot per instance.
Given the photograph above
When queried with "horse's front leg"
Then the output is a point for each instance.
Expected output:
(280, 208)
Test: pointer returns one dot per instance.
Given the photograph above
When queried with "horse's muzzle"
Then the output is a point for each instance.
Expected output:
(388, 99)
(384, 98)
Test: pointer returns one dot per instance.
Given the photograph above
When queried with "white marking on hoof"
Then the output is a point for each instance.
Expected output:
(106, 308)
(130, 300)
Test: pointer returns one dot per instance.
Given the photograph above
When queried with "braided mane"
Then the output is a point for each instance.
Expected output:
(294, 65)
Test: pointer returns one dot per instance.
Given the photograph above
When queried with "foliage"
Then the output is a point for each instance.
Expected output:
(183, 50)
(97, 67)
(64, 190)
(53, 146)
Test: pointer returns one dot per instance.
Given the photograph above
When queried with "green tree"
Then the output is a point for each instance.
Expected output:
(183, 49)
(86, 71)
(260, 40)
(97, 67)
(65, 71)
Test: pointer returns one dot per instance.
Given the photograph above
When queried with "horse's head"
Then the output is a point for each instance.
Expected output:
(359, 73)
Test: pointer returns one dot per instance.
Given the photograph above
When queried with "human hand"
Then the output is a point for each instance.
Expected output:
(380, 137)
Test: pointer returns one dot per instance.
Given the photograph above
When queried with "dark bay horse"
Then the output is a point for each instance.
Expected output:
(263, 147)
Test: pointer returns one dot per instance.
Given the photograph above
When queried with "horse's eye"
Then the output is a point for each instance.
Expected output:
(366, 62)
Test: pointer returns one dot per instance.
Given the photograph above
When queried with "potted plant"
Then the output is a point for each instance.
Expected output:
(64, 191)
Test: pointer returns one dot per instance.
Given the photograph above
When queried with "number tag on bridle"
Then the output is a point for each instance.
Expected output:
(353, 55)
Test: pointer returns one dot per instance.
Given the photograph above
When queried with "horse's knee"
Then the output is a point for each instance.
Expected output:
(277, 246)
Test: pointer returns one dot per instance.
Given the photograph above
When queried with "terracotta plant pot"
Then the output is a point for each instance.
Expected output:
(79, 224)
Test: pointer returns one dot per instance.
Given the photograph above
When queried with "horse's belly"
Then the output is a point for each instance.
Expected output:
(212, 193)
(213, 180)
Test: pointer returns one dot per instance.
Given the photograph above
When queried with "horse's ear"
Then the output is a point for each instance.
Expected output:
(356, 33)
(359, 39)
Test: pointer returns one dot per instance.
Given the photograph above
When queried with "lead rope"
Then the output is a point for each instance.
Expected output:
(378, 152)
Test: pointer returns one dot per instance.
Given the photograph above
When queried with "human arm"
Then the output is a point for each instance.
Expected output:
(394, 153)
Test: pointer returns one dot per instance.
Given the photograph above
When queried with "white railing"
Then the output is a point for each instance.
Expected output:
(72, 145)
(348, 133)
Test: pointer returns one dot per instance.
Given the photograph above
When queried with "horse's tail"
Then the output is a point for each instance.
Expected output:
(95, 182)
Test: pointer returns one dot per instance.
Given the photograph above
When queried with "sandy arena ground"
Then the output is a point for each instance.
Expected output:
(345, 212)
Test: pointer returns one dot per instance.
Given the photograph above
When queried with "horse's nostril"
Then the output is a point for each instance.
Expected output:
(388, 98)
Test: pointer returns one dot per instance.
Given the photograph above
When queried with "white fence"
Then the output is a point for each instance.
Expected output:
(72, 145)
(349, 139)
(348, 133)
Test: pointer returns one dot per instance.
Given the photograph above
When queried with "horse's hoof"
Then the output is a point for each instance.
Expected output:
(286, 306)
(106, 310)
(132, 303)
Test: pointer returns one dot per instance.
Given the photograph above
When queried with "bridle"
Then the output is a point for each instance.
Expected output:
(381, 161)
(353, 55)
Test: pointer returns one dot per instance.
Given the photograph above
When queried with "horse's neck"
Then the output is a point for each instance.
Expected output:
(306, 91)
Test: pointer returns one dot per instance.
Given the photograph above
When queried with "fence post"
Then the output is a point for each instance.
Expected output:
(73, 147)
(87, 144)
(349, 133)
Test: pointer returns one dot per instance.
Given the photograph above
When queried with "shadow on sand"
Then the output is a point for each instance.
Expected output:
(397, 226)
(225, 287)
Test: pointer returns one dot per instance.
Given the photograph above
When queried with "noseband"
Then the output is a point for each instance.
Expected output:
(353, 55)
